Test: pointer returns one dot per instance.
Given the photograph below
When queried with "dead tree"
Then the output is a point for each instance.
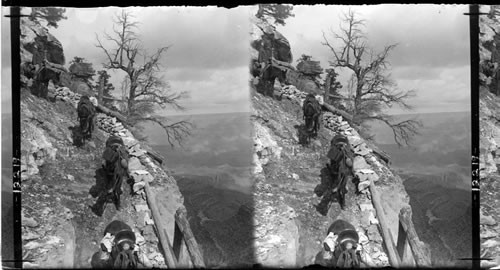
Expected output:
(372, 89)
(147, 90)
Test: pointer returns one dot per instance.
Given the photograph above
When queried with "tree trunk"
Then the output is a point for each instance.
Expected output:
(100, 91)
(109, 112)
(348, 117)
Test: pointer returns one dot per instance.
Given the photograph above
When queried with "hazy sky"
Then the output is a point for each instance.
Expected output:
(432, 56)
(208, 58)
(6, 76)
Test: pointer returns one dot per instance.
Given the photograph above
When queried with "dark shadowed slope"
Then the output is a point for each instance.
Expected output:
(436, 170)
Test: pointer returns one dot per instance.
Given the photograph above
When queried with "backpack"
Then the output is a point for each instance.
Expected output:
(343, 257)
(348, 259)
(122, 259)
(125, 260)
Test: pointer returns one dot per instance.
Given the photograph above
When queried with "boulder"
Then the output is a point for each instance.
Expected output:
(271, 41)
(82, 69)
(310, 67)
(35, 35)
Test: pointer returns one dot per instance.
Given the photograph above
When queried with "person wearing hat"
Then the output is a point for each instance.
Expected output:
(341, 248)
(341, 166)
(118, 249)
(123, 252)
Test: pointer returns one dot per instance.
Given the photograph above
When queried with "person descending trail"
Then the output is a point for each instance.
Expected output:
(336, 174)
(115, 163)
(312, 115)
(340, 167)
(118, 249)
(341, 248)
(86, 112)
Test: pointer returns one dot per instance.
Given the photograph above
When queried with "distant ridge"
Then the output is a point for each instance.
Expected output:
(427, 113)
(208, 114)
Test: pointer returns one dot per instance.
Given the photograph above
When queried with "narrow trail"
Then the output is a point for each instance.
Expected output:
(59, 197)
(292, 178)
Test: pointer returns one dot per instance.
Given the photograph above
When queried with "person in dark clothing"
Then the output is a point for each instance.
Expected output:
(340, 166)
(115, 165)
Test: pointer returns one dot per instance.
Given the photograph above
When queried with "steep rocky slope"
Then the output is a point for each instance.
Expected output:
(289, 228)
(489, 121)
(290, 220)
(60, 180)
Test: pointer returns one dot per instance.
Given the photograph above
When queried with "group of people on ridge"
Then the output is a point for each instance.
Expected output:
(118, 249)
(340, 247)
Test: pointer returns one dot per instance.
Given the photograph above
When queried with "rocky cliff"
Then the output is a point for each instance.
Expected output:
(489, 121)
(60, 181)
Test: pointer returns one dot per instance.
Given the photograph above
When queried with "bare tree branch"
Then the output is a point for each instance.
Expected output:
(146, 90)
(371, 88)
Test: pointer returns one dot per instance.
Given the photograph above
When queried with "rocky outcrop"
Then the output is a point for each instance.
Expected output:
(489, 111)
(35, 35)
(267, 41)
(309, 68)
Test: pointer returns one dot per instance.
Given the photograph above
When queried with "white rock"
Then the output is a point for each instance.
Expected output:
(30, 236)
(138, 186)
(148, 178)
(28, 265)
(371, 217)
(363, 186)
(362, 149)
(490, 243)
(141, 207)
(359, 163)
(367, 175)
(363, 239)
(70, 177)
(139, 239)
(32, 245)
(140, 172)
(366, 207)
(159, 258)
(53, 240)
(295, 176)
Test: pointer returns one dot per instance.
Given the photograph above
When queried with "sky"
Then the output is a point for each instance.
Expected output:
(432, 56)
(208, 57)
(5, 59)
